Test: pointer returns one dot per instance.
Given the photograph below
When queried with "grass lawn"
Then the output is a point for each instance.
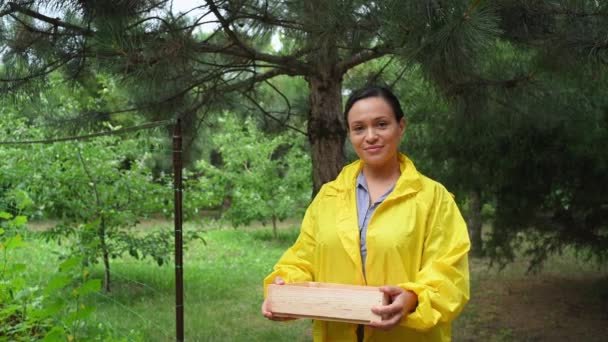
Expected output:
(568, 300)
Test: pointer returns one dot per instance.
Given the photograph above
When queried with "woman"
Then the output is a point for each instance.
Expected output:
(381, 223)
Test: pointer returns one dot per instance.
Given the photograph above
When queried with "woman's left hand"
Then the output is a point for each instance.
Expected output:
(401, 302)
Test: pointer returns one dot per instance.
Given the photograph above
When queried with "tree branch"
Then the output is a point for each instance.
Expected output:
(47, 69)
(253, 80)
(458, 88)
(226, 27)
(56, 22)
(243, 50)
(562, 10)
(362, 57)
(266, 19)
(401, 73)
(92, 135)
(289, 62)
(33, 29)
(266, 113)
(287, 103)
(229, 87)
(7, 12)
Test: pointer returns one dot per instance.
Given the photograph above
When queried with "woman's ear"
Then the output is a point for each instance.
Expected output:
(402, 125)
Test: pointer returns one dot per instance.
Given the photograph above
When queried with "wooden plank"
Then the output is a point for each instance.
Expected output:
(326, 301)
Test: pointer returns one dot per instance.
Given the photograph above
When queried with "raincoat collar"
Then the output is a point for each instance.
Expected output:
(409, 181)
(344, 188)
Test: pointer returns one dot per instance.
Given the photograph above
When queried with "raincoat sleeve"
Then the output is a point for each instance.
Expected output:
(442, 283)
(297, 264)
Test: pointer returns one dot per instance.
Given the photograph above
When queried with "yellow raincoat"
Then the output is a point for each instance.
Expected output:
(416, 239)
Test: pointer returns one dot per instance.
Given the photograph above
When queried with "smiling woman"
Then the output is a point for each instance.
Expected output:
(375, 131)
(381, 223)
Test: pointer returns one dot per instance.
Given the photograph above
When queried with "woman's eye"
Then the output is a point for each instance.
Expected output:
(382, 124)
(358, 128)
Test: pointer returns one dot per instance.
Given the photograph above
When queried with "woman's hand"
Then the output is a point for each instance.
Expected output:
(266, 306)
(402, 302)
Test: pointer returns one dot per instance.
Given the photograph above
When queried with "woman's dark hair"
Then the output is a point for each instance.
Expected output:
(374, 91)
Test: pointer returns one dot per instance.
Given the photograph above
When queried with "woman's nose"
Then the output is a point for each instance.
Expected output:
(371, 134)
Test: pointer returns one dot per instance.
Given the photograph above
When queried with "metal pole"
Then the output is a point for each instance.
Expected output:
(179, 276)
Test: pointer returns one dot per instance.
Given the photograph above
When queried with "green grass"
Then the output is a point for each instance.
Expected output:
(223, 293)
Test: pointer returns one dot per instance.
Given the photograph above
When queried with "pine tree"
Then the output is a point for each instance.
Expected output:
(171, 69)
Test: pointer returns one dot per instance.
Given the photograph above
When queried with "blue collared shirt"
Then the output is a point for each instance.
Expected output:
(365, 210)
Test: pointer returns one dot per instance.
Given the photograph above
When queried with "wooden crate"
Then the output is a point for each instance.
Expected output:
(326, 301)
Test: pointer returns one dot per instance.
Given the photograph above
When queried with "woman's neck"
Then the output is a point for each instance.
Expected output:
(382, 174)
(380, 179)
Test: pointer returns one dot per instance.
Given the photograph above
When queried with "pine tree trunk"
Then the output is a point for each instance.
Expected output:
(326, 128)
(474, 223)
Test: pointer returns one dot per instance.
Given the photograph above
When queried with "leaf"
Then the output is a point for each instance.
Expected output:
(79, 315)
(58, 282)
(90, 286)
(20, 220)
(57, 334)
(92, 225)
(17, 268)
(23, 200)
(9, 310)
(70, 263)
(47, 310)
(23, 294)
(94, 244)
(5, 215)
(14, 242)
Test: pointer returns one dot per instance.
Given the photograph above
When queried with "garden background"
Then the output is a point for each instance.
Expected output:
(505, 104)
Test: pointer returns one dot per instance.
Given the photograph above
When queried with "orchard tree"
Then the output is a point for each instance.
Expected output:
(97, 190)
(261, 177)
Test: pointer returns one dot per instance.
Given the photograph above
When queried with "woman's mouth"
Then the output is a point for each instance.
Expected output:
(373, 148)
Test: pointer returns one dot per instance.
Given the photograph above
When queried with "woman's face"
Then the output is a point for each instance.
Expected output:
(374, 131)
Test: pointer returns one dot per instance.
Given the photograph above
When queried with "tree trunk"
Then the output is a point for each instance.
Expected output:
(474, 223)
(105, 255)
(274, 226)
(326, 128)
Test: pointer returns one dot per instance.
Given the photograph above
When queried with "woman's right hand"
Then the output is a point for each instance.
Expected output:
(266, 305)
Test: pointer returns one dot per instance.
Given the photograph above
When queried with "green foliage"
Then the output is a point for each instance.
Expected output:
(555, 182)
(51, 312)
(529, 145)
(98, 190)
(504, 95)
(261, 178)
(156, 245)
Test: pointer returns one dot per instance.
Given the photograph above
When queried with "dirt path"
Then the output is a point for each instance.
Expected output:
(555, 308)
(551, 306)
